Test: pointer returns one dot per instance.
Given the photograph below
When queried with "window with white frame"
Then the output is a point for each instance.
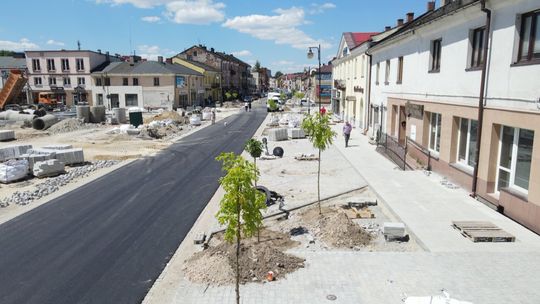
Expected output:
(81, 81)
(52, 80)
(476, 59)
(387, 72)
(65, 64)
(37, 81)
(67, 81)
(435, 56)
(515, 154)
(80, 64)
(100, 99)
(36, 66)
(378, 68)
(435, 132)
(467, 140)
(50, 65)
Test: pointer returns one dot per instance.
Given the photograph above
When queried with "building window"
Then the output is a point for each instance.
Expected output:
(345, 51)
(131, 100)
(400, 70)
(156, 81)
(378, 68)
(135, 81)
(37, 81)
(387, 72)
(81, 81)
(477, 47)
(435, 132)
(65, 64)
(515, 154)
(80, 64)
(125, 81)
(52, 80)
(529, 37)
(107, 81)
(36, 66)
(67, 81)
(99, 82)
(467, 140)
(50, 65)
(435, 64)
(99, 99)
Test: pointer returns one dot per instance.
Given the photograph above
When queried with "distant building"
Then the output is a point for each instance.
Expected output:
(64, 73)
(235, 74)
(324, 86)
(212, 79)
(8, 63)
(147, 84)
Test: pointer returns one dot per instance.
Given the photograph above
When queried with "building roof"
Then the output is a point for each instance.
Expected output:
(222, 55)
(202, 65)
(428, 17)
(354, 39)
(8, 62)
(326, 68)
(147, 67)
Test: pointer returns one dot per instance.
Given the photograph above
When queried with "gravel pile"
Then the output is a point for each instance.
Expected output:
(53, 184)
(69, 125)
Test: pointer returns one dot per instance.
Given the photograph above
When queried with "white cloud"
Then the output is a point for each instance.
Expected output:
(137, 3)
(21, 45)
(151, 52)
(283, 62)
(151, 19)
(320, 8)
(281, 28)
(242, 53)
(180, 11)
(54, 42)
(195, 11)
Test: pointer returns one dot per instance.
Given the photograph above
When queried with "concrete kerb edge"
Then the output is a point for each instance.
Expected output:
(417, 239)
(149, 298)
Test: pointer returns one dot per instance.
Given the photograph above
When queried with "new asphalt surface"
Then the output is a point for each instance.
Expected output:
(108, 241)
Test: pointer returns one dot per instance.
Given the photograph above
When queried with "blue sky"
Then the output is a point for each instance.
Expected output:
(274, 32)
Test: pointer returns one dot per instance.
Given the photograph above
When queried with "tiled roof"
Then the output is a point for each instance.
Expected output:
(354, 39)
(8, 62)
(147, 67)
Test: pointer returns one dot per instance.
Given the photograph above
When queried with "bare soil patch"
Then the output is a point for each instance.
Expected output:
(216, 264)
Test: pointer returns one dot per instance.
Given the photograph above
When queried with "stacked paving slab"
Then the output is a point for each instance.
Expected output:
(6, 135)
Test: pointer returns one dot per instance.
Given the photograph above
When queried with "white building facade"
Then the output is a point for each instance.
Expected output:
(427, 80)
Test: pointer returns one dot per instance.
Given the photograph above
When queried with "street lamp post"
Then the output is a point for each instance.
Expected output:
(310, 56)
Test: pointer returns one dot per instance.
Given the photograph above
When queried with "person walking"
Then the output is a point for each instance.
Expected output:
(213, 116)
(347, 128)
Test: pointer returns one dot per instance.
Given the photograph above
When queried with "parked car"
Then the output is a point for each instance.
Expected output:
(305, 103)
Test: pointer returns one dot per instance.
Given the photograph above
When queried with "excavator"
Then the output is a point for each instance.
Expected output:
(12, 88)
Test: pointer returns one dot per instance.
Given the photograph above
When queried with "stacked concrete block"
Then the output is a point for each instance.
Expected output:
(58, 147)
(6, 135)
(51, 167)
(296, 133)
(13, 170)
(11, 152)
(67, 156)
(277, 134)
(34, 158)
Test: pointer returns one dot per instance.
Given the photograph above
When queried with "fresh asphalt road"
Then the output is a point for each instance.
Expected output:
(108, 241)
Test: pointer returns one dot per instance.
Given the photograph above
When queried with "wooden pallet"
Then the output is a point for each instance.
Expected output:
(482, 232)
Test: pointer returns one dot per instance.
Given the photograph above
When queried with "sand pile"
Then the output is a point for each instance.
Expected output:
(69, 125)
(166, 115)
(216, 264)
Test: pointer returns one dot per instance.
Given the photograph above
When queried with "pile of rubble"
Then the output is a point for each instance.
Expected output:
(53, 184)
(160, 129)
(70, 125)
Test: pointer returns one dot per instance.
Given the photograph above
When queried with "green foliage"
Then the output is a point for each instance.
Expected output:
(235, 95)
(282, 96)
(257, 66)
(254, 147)
(228, 95)
(272, 104)
(299, 95)
(317, 127)
(278, 74)
(6, 53)
(241, 199)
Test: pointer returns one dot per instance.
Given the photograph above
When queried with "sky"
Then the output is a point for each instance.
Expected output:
(277, 33)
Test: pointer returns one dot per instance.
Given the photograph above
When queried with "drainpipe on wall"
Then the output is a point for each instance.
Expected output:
(368, 101)
(481, 97)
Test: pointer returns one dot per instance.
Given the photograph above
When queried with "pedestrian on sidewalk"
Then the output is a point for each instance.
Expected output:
(347, 128)
(213, 116)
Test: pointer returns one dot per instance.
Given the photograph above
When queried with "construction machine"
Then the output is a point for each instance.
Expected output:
(12, 88)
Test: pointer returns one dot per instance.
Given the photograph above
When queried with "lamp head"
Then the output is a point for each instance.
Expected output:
(310, 54)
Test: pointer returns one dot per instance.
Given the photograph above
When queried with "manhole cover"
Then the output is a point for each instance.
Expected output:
(331, 297)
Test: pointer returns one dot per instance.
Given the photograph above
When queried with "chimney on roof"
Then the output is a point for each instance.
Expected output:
(99, 51)
(107, 56)
(430, 6)
(410, 17)
(212, 50)
(399, 22)
(160, 59)
(387, 28)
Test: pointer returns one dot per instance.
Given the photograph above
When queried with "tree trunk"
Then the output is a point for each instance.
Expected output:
(255, 163)
(238, 255)
(319, 183)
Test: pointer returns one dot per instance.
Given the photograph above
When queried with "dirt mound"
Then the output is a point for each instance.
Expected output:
(166, 115)
(334, 228)
(69, 125)
(161, 131)
(216, 264)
